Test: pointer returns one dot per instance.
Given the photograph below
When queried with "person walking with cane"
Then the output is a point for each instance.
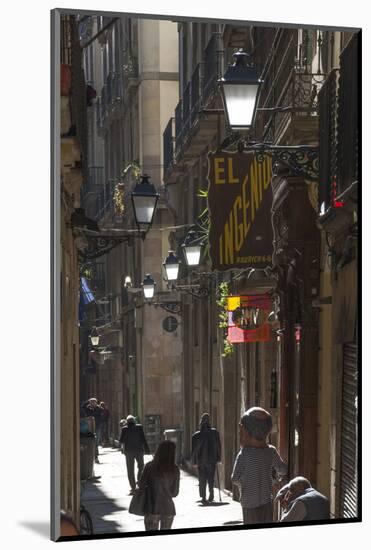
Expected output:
(135, 447)
(206, 451)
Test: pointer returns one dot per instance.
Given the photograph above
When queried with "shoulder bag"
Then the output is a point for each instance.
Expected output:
(139, 502)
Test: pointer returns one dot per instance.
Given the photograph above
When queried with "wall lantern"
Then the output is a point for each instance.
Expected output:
(192, 248)
(94, 337)
(148, 286)
(171, 265)
(128, 283)
(144, 197)
(240, 92)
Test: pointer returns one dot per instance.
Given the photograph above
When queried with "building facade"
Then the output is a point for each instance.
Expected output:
(305, 375)
(132, 66)
(153, 106)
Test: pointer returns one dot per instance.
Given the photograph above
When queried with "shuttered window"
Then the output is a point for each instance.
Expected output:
(349, 435)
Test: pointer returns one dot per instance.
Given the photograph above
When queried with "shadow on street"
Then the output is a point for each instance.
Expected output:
(101, 508)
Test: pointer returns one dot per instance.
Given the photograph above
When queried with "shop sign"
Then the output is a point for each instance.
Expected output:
(248, 318)
(239, 201)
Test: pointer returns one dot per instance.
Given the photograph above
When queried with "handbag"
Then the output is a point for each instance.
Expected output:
(139, 502)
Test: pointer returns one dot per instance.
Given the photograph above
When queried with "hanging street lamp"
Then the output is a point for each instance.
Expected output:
(240, 88)
(144, 198)
(192, 248)
(171, 266)
(94, 337)
(148, 286)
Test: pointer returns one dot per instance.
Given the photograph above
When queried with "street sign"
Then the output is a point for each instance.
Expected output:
(170, 323)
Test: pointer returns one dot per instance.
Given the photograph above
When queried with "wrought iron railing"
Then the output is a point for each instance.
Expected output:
(290, 85)
(95, 179)
(195, 93)
(211, 67)
(328, 141)
(71, 55)
(66, 39)
(186, 115)
(112, 93)
(178, 126)
(348, 115)
(97, 275)
(168, 145)
(276, 75)
(104, 200)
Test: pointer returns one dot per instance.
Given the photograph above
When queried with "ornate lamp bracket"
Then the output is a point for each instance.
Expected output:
(301, 160)
(170, 307)
(99, 245)
(197, 291)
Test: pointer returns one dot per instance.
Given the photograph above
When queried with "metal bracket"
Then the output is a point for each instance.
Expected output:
(302, 160)
(170, 307)
(197, 291)
(99, 245)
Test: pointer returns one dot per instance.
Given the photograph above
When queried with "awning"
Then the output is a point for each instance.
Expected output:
(86, 294)
(86, 297)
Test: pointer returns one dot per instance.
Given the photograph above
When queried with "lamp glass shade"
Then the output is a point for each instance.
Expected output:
(148, 286)
(94, 340)
(192, 254)
(240, 92)
(171, 265)
(144, 208)
(240, 101)
(144, 197)
(94, 337)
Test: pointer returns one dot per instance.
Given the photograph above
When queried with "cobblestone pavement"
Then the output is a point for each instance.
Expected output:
(107, 499)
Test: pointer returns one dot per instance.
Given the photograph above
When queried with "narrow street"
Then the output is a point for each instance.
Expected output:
(107, 499)
(208, 244)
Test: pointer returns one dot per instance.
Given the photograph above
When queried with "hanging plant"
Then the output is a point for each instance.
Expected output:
(119, 191)
(228, 348)
(118, 199)
(86, 271)
(203, 220)
(134, 166)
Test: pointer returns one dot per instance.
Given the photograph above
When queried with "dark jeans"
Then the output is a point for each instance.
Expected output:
(104, 433)
(130, 458)
(261, 514)
(206, 474)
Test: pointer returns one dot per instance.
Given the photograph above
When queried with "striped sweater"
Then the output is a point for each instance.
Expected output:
(252, 472)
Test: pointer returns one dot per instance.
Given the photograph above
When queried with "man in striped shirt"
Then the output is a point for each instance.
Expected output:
(254, 465)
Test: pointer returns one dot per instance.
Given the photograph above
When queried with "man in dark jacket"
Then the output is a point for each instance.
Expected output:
(300, 502)
(206, 454)
(135, 446)
(91, 408)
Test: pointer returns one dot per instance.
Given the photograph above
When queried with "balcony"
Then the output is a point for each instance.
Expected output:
(97, 277)
(111, 100)
(168, 145)
(328, 140)
(104, 209)
(338, 108)
(349, 84)
(186, 137)
(212, 69)
(196, 93)
(288, 83)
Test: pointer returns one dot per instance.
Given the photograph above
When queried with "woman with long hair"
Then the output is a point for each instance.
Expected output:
(161, 477)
